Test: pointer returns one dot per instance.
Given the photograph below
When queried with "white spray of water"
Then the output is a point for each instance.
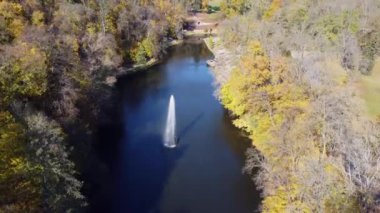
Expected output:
(169, 135)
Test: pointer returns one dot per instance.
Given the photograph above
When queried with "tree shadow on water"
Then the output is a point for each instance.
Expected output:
(146, 169)
(189, 126)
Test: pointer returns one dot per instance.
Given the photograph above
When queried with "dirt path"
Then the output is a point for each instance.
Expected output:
(203, 23)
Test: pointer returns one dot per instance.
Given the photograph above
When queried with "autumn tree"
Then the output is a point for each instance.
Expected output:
(20, 75)
(19, 191)
(60, 189)
(292, 88)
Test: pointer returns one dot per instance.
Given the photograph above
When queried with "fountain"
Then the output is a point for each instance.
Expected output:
(169, 134)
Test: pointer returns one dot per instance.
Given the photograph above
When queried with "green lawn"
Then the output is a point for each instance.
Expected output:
(215, 3)
(370, 86)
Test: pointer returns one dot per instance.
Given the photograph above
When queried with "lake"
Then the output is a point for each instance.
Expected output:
(203, 173)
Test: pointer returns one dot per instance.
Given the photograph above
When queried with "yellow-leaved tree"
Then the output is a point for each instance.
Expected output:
(12, 19)
(258, 92)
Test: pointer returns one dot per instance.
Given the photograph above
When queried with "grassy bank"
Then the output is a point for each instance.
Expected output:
(369, 88)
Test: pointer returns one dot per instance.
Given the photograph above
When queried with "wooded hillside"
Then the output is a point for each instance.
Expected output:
(54, 58)
(293, 88)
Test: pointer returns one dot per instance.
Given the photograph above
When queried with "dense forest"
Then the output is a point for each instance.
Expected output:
(55, 57)
(291, 74)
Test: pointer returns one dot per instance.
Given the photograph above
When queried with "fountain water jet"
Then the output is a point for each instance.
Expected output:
(169, 134)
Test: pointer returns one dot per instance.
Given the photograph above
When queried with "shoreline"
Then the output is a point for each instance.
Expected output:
(153, 61)
(205, 29)
(223, 60)
(122, 71)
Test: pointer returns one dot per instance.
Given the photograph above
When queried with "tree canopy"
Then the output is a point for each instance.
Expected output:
(292, 88)
(54, 59)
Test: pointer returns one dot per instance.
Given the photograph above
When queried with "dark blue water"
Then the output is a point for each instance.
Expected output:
(204, 173)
